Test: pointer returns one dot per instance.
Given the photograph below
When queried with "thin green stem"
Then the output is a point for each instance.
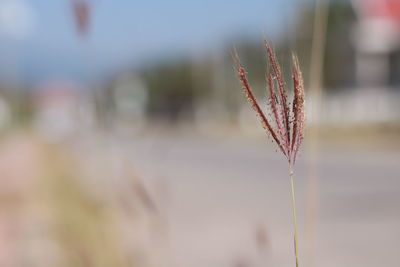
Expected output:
(295, 238)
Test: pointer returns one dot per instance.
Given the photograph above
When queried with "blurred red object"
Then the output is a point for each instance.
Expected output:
(379, 9)
(81, 11)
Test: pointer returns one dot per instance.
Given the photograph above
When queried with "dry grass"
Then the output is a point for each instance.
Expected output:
(285, 125)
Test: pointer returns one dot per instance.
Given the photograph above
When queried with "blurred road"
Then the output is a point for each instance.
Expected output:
(227, 203)
(185, 200)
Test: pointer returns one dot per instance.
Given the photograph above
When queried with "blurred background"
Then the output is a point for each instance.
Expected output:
(125, 139)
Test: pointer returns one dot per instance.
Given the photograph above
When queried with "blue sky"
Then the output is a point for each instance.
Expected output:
(129, 32)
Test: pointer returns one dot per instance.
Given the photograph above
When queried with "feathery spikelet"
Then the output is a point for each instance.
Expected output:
(298, 108)
(273, 102)
(281, 92)
(254, 104)
(287, 133)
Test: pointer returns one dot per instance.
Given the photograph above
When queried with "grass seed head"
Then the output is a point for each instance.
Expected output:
(287, 129)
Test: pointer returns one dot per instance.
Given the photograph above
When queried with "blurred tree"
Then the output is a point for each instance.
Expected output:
(172, 88)
(340, 58)
(339, 62)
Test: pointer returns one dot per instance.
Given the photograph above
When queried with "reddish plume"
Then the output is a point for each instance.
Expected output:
(288, 127)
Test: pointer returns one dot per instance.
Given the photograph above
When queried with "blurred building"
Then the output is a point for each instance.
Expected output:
(377, 41)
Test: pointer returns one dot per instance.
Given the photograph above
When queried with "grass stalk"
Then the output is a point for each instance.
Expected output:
(320, 25)
(295, 235)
